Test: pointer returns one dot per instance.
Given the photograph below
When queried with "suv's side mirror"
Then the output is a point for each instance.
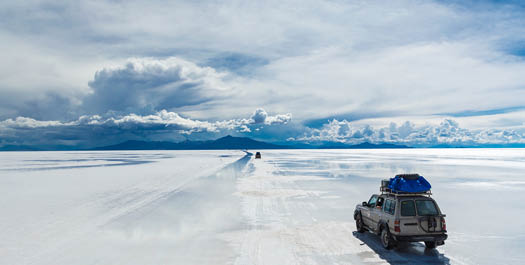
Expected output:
(365, 204)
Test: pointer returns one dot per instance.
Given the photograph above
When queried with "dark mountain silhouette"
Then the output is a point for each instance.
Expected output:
(231, 142)
(19, 148)
(364, 145)
(510, 145)
(227, 142)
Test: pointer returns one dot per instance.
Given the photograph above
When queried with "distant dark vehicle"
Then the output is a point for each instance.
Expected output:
(258, 155)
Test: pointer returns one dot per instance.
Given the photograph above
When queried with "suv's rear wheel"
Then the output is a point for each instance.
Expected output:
(386, 239)
(430, 244)
(359, 223)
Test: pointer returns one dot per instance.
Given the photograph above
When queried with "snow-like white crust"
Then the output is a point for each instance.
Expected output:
(225, 207)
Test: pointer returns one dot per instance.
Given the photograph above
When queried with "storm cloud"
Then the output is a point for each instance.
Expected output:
(148, 84)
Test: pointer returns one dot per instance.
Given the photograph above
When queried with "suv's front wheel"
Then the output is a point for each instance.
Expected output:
(386, 239)
(359, 223)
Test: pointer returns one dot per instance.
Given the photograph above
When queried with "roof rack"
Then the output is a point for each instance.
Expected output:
(387, 191)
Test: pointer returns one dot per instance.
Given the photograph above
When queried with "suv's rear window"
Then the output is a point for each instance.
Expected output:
(426, 207)
(407, 208)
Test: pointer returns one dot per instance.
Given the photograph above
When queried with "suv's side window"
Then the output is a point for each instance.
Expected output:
(386, 207)
(372, 201)
(379, 202)
(390, 206)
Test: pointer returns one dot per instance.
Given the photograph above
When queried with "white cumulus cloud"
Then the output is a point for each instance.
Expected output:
(260, 116)
(447, 132)
(89, 126)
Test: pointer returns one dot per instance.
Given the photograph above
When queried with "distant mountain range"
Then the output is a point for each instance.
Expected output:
(18, 148)
(229, 142)
(364, 145)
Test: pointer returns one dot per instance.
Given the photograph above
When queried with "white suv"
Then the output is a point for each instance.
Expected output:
(402, 217)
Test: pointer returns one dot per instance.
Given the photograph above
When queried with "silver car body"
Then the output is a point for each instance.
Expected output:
(406, 217)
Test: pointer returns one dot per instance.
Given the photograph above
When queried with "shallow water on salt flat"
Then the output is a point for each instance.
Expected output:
(225, 207)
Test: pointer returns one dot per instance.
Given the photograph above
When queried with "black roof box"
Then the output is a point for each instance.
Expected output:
(409, 176)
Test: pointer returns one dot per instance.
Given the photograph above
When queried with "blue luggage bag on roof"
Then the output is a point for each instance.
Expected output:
(409, 183)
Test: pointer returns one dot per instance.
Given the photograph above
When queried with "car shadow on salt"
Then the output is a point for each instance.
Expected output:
(404, 253)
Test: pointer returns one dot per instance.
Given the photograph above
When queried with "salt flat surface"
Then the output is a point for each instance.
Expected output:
(225, 207)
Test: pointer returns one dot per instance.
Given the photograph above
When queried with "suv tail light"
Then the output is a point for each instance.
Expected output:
(397, 228)
(443, 224)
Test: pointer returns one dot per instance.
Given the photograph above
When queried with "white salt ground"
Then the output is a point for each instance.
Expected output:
(224, 207)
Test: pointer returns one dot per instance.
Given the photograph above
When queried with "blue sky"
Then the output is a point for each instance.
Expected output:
(422, 73)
